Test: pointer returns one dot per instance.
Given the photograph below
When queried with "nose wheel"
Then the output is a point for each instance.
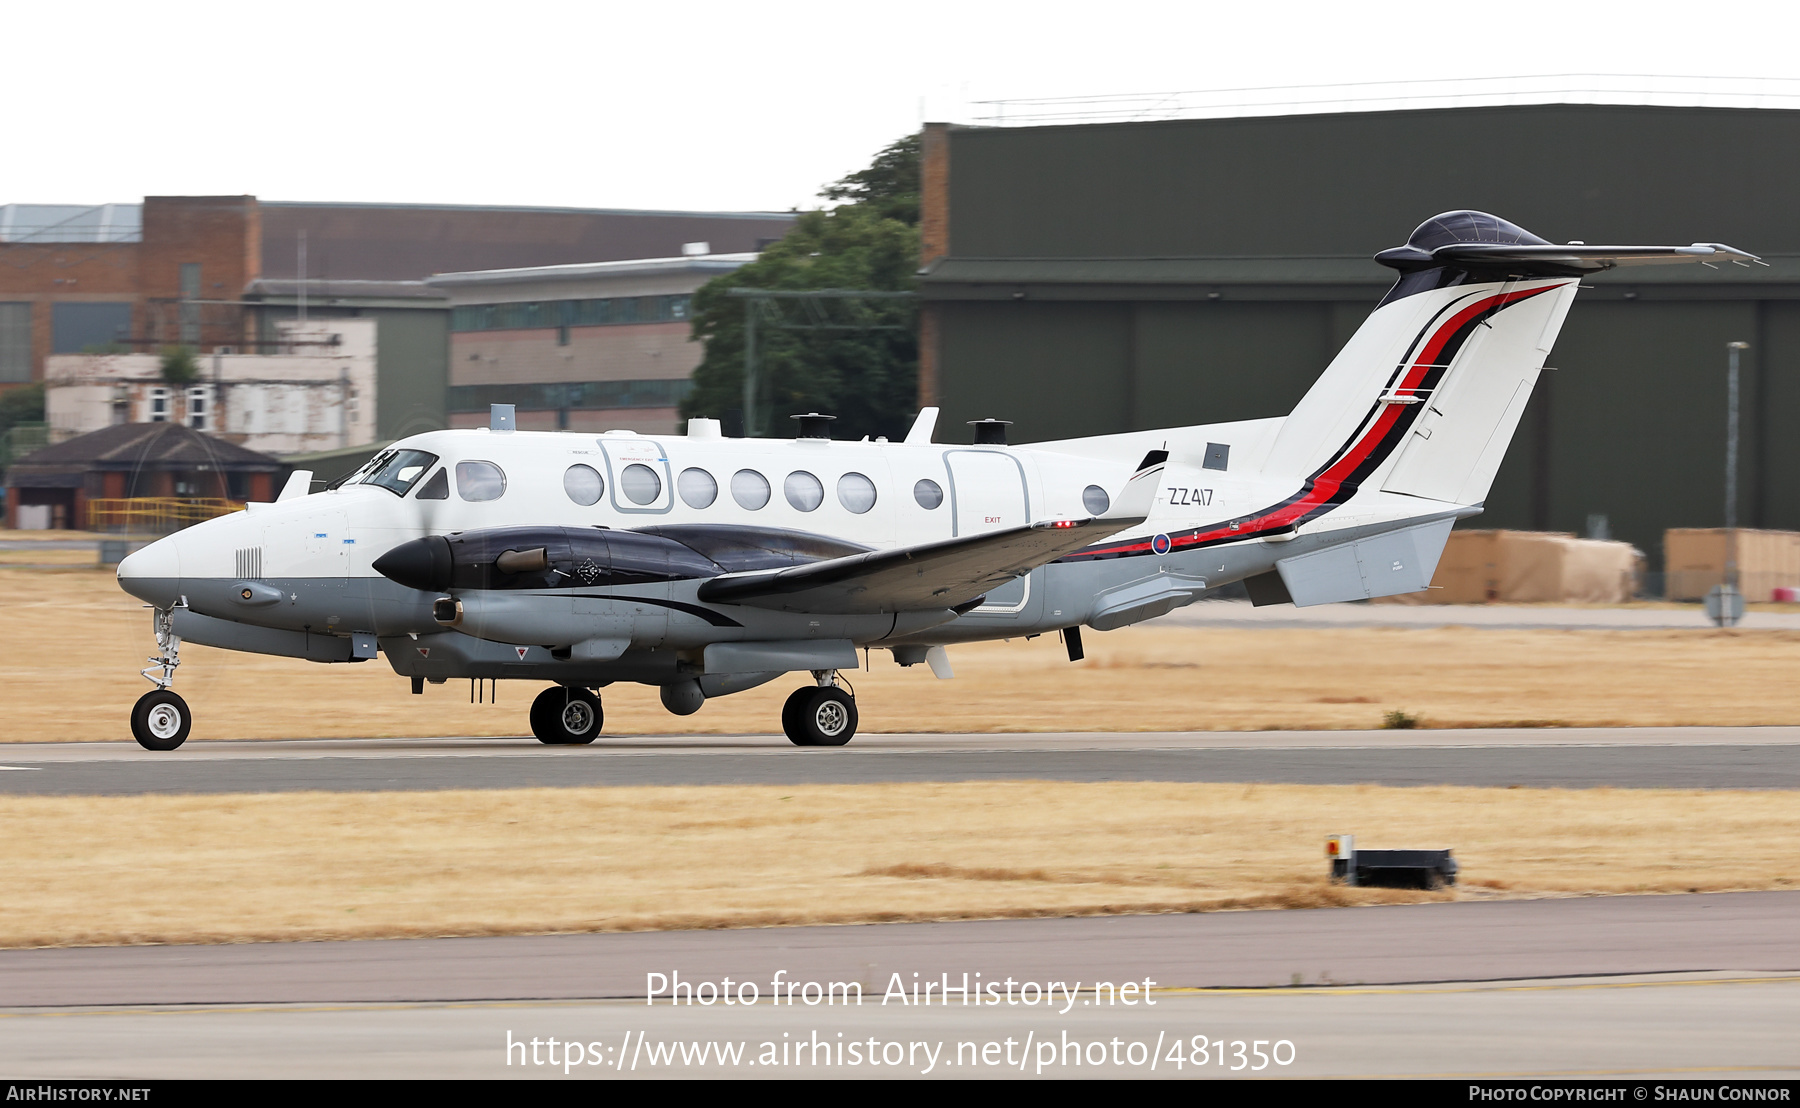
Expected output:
(160, 720)
(566, 716)
(822, 715)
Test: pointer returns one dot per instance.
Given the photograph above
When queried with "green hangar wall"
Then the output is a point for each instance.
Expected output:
(1089, 279)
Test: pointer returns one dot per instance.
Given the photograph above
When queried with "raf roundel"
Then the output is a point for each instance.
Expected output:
(1161, 544)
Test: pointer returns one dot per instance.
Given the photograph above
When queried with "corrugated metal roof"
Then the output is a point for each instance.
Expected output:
(409, 242)
(138, 445)
(71, 223)
(693, 263)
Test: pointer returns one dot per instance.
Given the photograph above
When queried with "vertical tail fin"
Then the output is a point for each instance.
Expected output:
(1425, 397)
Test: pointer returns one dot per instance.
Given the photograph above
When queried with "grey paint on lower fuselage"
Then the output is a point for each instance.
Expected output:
(667, 626)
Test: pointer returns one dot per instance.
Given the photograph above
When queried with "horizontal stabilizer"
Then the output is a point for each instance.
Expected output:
(1381, 565)
(1589, 258)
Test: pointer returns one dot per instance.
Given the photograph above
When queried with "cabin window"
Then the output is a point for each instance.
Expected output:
(1095, 500)
(928, 493)
(856, 493)
(750, 489)
(583, 484)
(697, 488)
(400, 470)
(803, 490)
(640, 484)
(438, 488)
(478, 481)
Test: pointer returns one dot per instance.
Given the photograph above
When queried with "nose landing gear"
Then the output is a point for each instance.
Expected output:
(566, 716)
(822, 715)
(160, 720)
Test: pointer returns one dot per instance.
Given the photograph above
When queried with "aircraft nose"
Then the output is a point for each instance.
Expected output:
(153, 574)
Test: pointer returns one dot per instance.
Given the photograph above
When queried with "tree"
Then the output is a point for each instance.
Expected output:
(867, 378)
(178, 365)
(24, 404)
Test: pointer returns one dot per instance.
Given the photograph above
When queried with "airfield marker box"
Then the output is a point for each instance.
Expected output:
(1393, 869)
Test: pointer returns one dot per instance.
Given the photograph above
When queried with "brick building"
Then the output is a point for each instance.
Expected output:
(218, 272)
(52, 487)
(594, 347)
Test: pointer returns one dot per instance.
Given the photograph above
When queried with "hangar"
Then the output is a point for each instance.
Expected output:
(1094, 278)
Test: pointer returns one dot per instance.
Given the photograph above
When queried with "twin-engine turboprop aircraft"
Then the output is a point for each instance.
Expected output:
(705, 565)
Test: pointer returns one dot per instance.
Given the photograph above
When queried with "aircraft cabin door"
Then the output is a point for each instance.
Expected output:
(987, 489)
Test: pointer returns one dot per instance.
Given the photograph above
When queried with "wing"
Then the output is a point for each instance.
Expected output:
(935, 575)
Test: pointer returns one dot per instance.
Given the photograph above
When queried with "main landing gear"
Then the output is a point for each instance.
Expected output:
(566, 715)
(160, 720)
(820, 715)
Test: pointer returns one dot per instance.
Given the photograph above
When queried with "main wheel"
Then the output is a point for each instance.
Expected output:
(566, 716)
(160, 720)
(826, 717)
(790, 715)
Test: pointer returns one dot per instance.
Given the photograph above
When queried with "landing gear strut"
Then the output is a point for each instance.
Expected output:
(566, 716)
(160, 720)
(820, 715)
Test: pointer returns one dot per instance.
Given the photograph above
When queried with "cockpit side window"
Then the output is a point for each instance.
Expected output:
(399, 470)
(355, 477)
(438, 488)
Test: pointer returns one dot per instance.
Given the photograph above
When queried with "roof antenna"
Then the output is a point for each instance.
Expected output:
(814, 426)
(990, 432)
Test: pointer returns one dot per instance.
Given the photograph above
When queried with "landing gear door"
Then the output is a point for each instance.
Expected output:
(987, 491)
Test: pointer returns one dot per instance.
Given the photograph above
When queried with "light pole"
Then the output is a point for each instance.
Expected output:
(1725, 604)
(1733, 350)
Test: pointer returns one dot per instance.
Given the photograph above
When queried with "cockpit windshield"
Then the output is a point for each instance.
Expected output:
(394, 470)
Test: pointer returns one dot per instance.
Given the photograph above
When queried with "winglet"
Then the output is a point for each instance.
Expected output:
(922, 427)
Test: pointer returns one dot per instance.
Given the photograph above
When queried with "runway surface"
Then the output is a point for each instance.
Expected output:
(1461, 941)
(1737, 1029)
(1683, 986)
(1696, 757)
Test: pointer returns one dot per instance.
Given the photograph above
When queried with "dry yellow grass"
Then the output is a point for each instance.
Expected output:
(79, 642)
(314, 866)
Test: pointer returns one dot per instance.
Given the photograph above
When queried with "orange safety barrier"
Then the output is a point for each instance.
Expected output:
(158, 515)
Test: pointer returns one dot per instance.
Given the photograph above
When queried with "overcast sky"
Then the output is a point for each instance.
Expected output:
(703, 105)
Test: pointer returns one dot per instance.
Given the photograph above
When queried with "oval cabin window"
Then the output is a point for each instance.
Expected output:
(697, 488)
(803, 490)
(928, 493)
(478, 481)
(750, 489)
(583, 484)
(640, 484)
(856, 493)
(1095, 500)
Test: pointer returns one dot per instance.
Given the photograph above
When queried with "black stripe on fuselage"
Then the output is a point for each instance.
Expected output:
(717, 619)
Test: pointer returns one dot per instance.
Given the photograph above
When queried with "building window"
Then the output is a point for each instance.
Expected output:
(190, 309)
(198, 410)
(159, 405)
(571, 313)
(15, 342)
(78, 326)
